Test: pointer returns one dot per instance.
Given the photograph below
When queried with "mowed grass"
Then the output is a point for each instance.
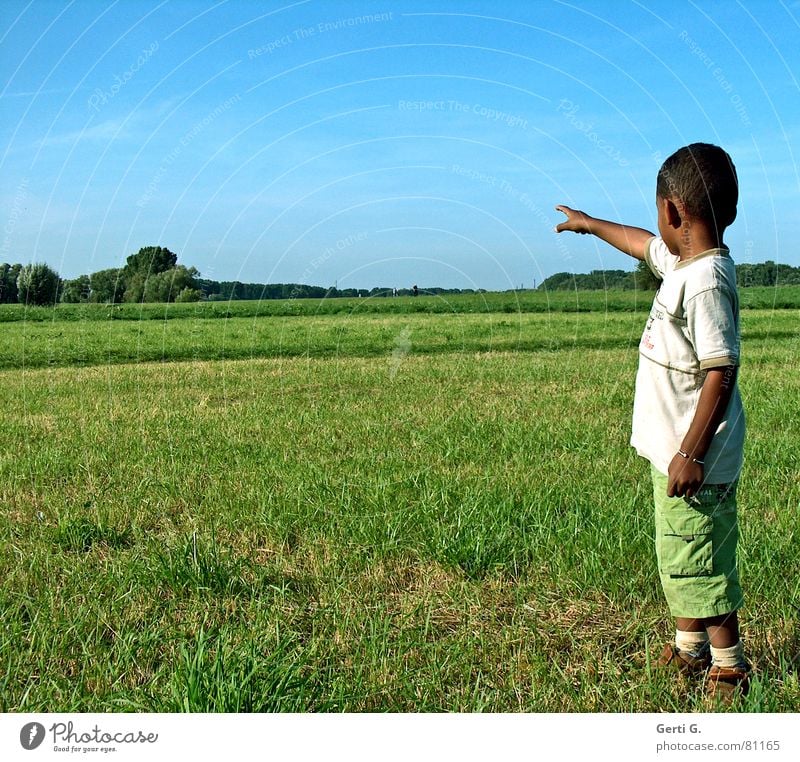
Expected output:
(395, 521)
(519, 301)
(202, 334)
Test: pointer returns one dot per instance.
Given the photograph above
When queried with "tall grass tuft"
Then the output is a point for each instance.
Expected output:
(80, 535)
(193, 563)
(216, 674)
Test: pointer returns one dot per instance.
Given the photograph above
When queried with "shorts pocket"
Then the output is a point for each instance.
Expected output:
(714, 499)
(686, 549)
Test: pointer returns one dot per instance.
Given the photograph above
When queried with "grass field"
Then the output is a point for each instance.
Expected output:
(423, 510)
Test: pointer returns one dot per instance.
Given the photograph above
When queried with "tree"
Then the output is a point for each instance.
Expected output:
(644, 278)
(8, 283)
(157, 288)
(150, 260)
(165, 286)
(76, 290)
(134, 288)
(107, 286)
(37, 284)
(770, 273)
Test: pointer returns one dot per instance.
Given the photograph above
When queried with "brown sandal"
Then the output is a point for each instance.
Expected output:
(725, 682)
(682, 661)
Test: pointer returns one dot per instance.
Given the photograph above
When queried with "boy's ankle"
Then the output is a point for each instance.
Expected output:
(695, 644)
(683, 662)
(732, 658)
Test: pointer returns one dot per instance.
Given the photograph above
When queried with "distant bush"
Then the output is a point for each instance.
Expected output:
(189, 295)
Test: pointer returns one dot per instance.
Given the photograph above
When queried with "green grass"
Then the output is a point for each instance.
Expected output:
(760, 297)
(361, 512)
(196, 336)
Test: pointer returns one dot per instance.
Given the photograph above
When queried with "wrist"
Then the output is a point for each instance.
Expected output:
(687, 456)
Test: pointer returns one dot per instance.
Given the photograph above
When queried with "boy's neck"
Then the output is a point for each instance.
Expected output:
(696, 237)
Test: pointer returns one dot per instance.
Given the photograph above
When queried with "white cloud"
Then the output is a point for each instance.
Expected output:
(111, 129)
(33, 93)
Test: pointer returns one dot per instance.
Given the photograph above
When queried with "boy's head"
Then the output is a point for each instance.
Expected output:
(703, 179)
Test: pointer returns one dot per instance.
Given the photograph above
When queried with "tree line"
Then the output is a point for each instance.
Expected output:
(764, 274)
(151, 275)
(154, 275)
(217, 291)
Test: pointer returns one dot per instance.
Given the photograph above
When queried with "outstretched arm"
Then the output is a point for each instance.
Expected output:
(627, 239)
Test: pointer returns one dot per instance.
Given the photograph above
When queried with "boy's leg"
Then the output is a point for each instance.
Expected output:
(696, 552)
(730, 672)
(691, 640)
(690, 625)
(689, 654)
(723, 631)
(696, 542)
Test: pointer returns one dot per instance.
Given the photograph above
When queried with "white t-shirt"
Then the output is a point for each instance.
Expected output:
(693, 326)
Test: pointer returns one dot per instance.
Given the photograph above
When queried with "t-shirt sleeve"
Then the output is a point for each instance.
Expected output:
(712, 328)
(658, 256)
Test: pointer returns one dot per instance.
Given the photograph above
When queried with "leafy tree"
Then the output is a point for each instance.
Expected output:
(4, 268)
(558, 282)
(37, 284)
(770, 273)
(787, 275)
(150, 260)
(156, 288)
(152, 275)
(644, 278)
(767, 274)
(8, 283)
(107, 286)
(76, 290)
(165, 286)
(134, 288)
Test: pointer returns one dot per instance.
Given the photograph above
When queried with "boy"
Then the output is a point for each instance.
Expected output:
(687, 416)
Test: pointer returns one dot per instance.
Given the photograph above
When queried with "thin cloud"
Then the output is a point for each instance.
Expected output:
(111, 129)
(118, 128)
(33, 93)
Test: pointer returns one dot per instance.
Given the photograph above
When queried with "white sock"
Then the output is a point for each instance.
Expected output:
(693, 643)
(729, 657)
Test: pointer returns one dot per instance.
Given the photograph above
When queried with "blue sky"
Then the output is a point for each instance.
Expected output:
(383, 143)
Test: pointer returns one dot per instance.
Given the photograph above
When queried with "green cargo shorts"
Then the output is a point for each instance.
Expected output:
(696, 549)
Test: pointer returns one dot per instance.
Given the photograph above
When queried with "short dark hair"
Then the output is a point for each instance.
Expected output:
(704, 178)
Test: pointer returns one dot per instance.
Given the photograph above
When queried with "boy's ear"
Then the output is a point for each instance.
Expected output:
(672, 212)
